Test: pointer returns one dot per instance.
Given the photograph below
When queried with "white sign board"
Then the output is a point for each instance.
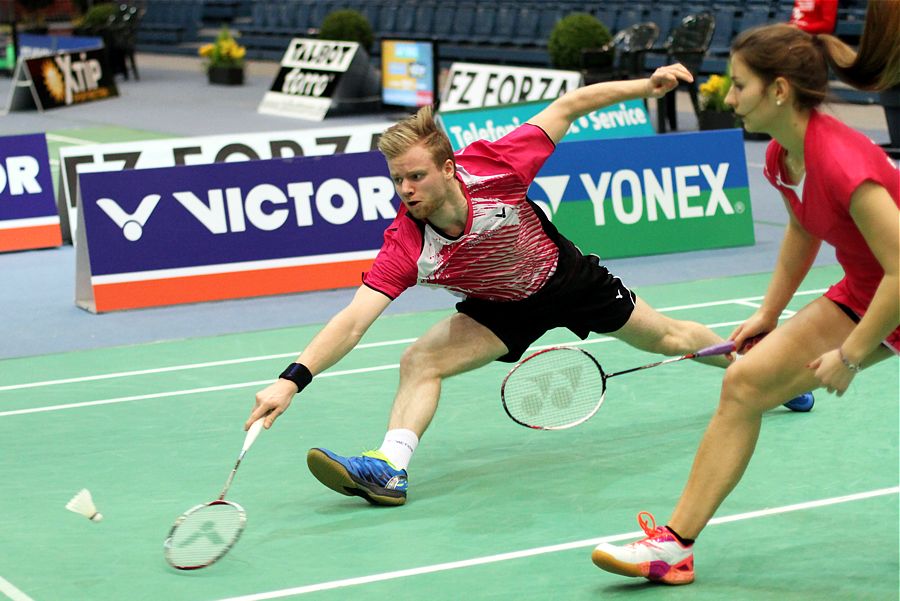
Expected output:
(470, 85)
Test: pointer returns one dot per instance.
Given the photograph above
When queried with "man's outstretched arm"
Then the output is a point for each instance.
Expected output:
(556, 118)
(329, 346)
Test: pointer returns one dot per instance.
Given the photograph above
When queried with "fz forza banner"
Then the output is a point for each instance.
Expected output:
(470, 86)
(61, 80)
(147, 154)
(318, 76)
(650, 195)
(28, 217)
(186, 234)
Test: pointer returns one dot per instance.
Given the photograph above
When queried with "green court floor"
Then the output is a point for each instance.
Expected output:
(495, 511)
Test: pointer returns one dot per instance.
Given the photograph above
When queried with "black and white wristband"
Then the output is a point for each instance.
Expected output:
(297, 373)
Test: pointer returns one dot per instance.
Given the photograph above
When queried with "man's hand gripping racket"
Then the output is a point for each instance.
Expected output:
(563, 386)
(206, 532)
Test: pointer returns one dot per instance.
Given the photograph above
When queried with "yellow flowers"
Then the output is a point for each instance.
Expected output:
(713, 92)
(224, 52)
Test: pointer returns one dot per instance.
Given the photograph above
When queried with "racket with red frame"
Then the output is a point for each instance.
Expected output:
(205, 533)
(563, 386)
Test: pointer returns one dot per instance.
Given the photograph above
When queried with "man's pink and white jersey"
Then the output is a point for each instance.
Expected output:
(503, 254)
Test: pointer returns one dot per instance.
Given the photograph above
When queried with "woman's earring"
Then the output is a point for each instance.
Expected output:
(778, 102)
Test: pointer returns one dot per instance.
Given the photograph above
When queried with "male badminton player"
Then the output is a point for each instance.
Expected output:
(466, 225)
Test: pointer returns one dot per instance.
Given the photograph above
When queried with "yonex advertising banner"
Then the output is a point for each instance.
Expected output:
(146, 154)
(28, 216)
(650, 195)
(209, 232)
(622, 120)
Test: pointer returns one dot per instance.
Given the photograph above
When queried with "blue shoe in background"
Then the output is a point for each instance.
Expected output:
(802, 403)
(370, 476)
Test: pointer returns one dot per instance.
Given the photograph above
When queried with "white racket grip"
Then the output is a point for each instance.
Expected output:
(252, 433)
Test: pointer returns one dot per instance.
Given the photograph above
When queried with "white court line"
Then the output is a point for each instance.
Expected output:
(69, 139)
(327, 374)
(160, 395)
(158, 370)
(7, 588)
(467, 563)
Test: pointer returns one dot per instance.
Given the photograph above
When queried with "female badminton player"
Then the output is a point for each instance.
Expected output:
(838, 187)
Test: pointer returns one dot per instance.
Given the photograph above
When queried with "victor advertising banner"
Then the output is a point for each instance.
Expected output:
(147, 154)
(28, 217)
(209, 232)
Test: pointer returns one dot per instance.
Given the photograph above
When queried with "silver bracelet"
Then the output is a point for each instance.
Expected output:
(854, 367)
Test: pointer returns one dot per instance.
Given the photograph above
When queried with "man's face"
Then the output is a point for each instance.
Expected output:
(422, 186)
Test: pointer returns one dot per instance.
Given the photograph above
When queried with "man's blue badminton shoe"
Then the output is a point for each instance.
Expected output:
(802, 403)
(370, 476)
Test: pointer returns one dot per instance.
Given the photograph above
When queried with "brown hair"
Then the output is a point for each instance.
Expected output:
(782, 50)
(420, 128)
(876, 64)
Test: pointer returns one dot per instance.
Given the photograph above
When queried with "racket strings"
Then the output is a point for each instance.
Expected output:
(204, 534)
(554, 389)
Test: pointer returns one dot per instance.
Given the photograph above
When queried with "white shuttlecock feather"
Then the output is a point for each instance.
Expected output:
(83, 503)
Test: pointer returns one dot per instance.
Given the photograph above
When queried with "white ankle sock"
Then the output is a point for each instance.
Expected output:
(398, 446)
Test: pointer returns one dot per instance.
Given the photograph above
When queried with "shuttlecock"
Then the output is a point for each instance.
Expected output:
(83, 503)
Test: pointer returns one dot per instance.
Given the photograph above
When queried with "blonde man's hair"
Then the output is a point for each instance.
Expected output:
(420, 128)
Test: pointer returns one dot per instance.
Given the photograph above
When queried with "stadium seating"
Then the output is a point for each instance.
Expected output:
(501, 31)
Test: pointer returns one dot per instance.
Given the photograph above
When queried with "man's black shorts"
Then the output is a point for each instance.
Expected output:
(584, 297)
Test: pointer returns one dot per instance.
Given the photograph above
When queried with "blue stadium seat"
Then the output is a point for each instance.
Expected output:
(753, 16)
(505, 30)
(485, 21)
(628, 16)
(463, 23)
(442, 23)
(724, 33)
(549, 16)
(527, 19)
(423, 25)
(663, 16)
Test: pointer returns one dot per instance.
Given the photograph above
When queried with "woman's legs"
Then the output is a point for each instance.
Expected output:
(774, 370)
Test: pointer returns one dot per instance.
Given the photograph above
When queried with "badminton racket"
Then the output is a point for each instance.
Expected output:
(205, 533)
(563, 386)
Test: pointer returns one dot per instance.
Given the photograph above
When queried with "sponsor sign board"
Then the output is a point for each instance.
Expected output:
(318, 76)
(642, 196)
(470, 85)
(622, 120)
(28, 217)
(61, 79)
(146, 154)
(185, 234)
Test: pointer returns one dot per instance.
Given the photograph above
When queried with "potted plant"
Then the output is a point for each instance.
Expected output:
(224, 59)
(714, 113)
(348, 25)
(572, 36)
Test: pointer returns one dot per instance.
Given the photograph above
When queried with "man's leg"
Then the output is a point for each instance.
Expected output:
(454, 345)
(650, 330)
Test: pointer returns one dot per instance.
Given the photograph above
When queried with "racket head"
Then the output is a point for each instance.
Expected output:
(204, 534)
(554, 389)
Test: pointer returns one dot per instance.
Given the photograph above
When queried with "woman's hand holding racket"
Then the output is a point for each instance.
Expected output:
(754, 329)
(564, 386)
